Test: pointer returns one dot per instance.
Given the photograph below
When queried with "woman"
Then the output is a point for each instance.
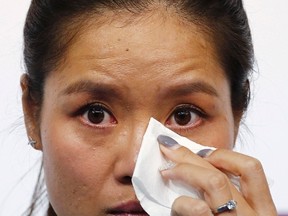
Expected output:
(98, 70)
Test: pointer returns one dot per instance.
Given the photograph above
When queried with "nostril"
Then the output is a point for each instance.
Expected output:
(127, 180)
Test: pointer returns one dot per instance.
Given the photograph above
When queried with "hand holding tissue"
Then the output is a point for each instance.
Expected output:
(155, 195)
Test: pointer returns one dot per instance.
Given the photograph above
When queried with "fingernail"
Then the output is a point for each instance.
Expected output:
(168, 141)
(204, 152)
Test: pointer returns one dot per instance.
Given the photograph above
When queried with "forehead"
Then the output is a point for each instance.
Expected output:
(148, 37)
(140, 49)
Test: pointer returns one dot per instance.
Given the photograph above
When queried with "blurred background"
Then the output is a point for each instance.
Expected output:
(262, 136)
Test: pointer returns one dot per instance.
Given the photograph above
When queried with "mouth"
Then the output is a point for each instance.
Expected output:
(132, 208)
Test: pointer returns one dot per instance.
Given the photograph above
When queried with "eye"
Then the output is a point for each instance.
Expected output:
(185, 116)
(98, 115)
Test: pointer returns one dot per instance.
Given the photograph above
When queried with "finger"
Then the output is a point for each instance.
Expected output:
(213, 183)
(254, 186)
(188, 206)
(185, 205)
(184, 155)
(242, 208)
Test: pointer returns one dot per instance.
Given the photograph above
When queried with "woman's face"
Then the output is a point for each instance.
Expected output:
(97, 105)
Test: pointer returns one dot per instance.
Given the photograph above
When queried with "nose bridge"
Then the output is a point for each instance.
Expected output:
(130, 146)
(138, 131)
(135, 135)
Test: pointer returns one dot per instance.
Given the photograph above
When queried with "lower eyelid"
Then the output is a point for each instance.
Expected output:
(190, 125)
(97, 126)
(185, 129)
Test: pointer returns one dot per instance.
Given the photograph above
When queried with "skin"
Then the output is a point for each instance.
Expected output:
(139, 70)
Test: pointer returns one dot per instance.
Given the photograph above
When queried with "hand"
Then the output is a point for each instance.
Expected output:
(208, 175)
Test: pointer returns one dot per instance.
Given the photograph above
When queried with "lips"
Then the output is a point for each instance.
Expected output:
(132, 208)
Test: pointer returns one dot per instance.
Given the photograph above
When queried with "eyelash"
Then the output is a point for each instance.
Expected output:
(192, 108)
(89, 105)
(182, 129)
(82, 109)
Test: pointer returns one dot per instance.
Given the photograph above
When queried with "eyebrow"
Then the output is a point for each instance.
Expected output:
(92, 88)
(108, 91)
(189, 88)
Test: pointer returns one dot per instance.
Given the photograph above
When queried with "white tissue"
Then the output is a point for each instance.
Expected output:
(155, 195)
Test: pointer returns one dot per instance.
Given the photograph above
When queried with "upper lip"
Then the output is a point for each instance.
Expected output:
(131, 207)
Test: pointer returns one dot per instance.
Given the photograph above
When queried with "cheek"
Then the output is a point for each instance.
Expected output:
(71, 165)
(219, 133)
(222, 138)
(222, 135)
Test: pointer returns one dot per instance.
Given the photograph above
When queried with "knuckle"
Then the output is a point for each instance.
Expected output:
(177, 207)
(253, 165)
(217, 181)
(185, 154)
(184, 206)
(201, 208)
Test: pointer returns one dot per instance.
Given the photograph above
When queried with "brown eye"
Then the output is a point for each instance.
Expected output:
(97, 114)
(185, 116)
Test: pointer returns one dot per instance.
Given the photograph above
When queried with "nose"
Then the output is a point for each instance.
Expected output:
(130, 145)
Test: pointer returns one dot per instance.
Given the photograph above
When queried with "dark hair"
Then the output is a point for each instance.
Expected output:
(52, 25)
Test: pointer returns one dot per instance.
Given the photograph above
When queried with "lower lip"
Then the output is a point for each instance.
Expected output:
(130, 214)
(132, 208)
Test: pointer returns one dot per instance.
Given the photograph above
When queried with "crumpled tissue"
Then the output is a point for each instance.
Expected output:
(155, 195)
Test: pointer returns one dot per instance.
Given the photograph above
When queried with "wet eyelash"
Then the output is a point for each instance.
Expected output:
(87, 106)
(192, 108)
